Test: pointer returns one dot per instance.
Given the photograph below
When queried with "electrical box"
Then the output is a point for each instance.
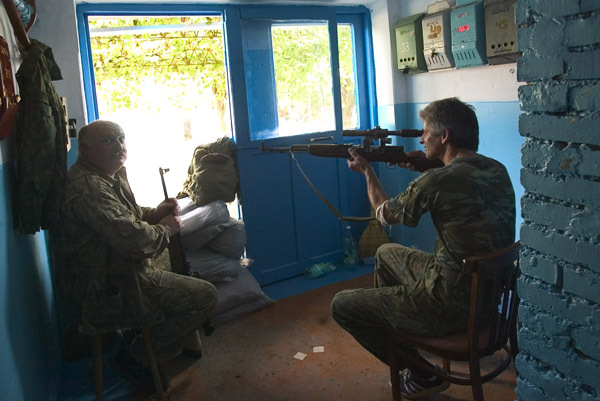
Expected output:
(436, 36)
(409, 44)
(468, 33)
(501, 31)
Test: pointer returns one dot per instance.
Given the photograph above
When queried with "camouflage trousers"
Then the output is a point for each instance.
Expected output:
(407, 296)
(185, 302)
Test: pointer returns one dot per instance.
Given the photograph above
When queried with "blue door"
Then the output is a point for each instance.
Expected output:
(305, 80)
(295, 75)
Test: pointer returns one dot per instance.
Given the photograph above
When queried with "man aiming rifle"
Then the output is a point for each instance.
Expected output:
(472, 204)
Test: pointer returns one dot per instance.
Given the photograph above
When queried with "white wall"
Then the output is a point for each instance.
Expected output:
(484, 83)
(493, 90)
(57, 28)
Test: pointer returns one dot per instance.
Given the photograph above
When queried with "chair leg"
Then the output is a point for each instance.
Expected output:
(97, 365)
(446, 365)
(476, 382)
(394, 372)
(513, 340)
(153, 364)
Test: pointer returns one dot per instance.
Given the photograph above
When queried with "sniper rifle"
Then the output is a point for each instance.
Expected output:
(379, 153)
(179, 263)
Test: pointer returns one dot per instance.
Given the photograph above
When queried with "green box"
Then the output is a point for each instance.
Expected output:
(409, 44)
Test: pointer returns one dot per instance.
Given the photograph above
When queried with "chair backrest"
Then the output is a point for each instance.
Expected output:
(494, 298)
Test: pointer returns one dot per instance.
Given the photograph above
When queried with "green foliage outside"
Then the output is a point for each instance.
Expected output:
(185, 54)
(185, 57)
(303, 74)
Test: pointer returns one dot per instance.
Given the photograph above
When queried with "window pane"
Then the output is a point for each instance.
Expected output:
(347, 76)
(303, 86)
(162, 78)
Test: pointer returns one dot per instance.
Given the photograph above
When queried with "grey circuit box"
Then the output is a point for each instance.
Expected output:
(501, 31)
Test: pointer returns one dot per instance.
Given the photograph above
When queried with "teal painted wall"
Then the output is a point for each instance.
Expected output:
(559, 313)
(28, 332)
(498, 138)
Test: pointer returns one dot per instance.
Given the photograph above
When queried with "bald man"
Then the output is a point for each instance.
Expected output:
(105, 250)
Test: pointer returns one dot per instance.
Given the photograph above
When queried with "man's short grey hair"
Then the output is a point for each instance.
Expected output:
(455, 116)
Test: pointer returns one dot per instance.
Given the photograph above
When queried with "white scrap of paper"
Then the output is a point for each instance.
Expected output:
(300, 355)
(319, 348)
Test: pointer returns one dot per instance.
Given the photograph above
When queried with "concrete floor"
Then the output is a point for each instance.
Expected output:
(252, 359)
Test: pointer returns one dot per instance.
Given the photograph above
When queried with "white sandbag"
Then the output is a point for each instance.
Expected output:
(199, 238)
(242, 310)
(212, 266)
(243, 290)
(231, 241)
(186, 205)
(204, 216)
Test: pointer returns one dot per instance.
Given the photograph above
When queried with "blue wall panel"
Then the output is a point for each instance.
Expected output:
(28, 339)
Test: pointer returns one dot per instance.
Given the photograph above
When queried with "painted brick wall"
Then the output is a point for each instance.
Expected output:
(560, 262)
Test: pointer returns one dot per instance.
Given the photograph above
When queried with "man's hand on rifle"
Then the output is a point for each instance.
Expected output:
(168, 213)
(174, 223)
(414, 153)
(357, 162)
(168, 206)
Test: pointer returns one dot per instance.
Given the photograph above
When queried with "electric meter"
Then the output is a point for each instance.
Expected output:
(436, 36)
(409, 44)
(501, 31)
(468, 33)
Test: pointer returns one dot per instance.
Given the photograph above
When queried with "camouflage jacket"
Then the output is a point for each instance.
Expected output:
(472, 205)
(41, 141)
(103, 245)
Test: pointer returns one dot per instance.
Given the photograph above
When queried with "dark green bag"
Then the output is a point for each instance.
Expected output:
(212, 175)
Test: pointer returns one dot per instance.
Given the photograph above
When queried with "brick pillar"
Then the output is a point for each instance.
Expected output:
(560, 262)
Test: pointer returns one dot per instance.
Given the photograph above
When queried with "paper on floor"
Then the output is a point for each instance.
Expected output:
(319, 348)
(300, 355)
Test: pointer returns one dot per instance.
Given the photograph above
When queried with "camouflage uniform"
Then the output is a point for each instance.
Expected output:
(472, 205)
(104, 274)
(41, 142)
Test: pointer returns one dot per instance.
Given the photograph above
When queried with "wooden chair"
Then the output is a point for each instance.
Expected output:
(97, 364)
(494, 277)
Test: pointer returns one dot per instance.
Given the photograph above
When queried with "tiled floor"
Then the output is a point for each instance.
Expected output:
(252, 359)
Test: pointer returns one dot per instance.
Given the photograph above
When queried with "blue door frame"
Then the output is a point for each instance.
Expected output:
(287, 226)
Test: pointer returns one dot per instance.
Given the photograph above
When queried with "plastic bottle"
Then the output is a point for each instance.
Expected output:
(350, 252)
(319, 269)
(25, 10)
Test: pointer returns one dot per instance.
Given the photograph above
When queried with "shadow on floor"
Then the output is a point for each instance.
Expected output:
(252, 359)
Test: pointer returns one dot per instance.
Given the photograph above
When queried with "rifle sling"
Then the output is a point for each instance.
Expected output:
(325, 201)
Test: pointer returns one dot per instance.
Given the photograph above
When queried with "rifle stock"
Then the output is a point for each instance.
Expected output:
(179, 263)
(382, 153)
(386, 154)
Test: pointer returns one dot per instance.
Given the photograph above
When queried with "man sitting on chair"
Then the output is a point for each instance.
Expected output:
(472, 205)
(104, 250)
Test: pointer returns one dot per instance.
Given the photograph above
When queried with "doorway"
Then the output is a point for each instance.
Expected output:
(162, 78)
(289, 74)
